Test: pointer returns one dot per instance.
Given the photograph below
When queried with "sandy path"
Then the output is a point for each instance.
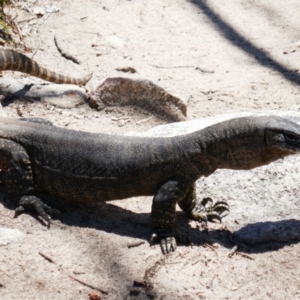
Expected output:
(219, 57)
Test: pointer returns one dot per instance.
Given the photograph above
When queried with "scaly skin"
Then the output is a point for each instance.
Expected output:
(85, 167)
(15, 61)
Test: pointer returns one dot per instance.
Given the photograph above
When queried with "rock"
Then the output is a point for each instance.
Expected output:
(59, 95)
(8, 236)
(68, 99)
(198, 124)
(143, 93)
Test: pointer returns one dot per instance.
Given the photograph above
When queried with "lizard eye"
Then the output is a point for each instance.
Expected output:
(291, 138)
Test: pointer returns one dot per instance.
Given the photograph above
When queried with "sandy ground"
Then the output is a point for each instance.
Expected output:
(218, 57)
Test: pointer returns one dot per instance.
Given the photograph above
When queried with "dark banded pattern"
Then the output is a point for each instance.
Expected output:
(15, 61)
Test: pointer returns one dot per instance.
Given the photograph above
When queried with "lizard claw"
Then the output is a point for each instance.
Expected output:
(167, 244)
(209, 211)
(153, 239)
(34, 203)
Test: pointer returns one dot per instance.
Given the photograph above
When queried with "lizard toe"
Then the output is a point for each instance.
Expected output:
(220, 207)
(211, 216)
(34, 203)
(206, 201)
(168, 245)
(209, 211)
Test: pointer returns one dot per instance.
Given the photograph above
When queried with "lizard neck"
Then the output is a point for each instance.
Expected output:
(204, 152)
(224, 147)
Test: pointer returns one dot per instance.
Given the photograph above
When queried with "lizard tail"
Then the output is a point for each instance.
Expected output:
(15, 61)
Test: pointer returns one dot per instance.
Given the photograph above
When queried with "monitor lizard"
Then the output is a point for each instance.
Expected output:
(87, 167)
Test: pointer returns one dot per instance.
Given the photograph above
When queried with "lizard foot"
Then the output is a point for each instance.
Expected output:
(34, 203)
(206, 210)
(167, 243)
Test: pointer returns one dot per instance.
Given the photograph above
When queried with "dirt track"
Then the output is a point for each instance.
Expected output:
(218, 57)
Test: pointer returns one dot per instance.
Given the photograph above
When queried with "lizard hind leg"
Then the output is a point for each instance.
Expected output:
(203, 210)
(18, 179)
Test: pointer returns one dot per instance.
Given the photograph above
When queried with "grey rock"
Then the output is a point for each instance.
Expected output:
(59, 95)
(8, 236)
(173, 129)
(68, 99)
(120, 91)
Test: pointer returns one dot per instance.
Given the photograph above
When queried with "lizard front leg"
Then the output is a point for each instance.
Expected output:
(163, 214)
(15, 163)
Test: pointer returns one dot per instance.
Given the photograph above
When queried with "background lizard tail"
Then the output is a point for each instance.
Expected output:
(15, 61)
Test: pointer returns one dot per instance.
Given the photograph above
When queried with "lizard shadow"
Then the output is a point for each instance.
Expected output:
(10, 97)
(111, 218)
(108, 217)
(115, 219)
(267, 236)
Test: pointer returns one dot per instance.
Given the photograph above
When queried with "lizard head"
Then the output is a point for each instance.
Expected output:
(251, 142)
(281, 138)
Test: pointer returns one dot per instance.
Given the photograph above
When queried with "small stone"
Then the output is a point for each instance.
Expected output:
(8, 236)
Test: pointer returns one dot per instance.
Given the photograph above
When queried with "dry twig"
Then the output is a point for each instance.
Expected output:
(233, 250)
(48, 258)
(87, 284)
(135, 244)
(205, 245)
(245, 255)
(172, 67)
(126, 70)
(203, 70)
(64, 53)
(194, 263)
(36, 48)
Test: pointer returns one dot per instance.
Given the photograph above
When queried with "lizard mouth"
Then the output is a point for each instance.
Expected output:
(282, 142)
